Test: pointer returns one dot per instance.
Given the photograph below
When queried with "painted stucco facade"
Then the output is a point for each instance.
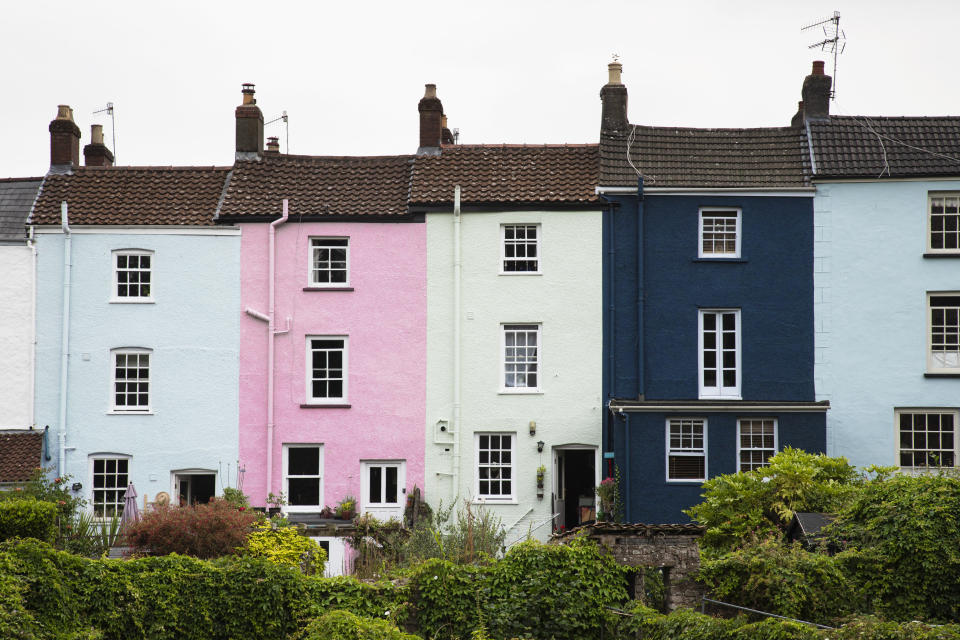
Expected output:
(190, 331)
(16, 336)
(872, 281)
(564, 301)
(382, 317)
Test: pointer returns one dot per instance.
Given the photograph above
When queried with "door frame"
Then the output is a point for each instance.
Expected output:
(557, 479)
(365, 465)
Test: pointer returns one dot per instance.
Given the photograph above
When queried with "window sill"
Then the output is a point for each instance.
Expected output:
(942, 255)
(703, 397)
(520, 273)
(685, 482)
(120, 412)
(316, 405)
(944, 374)
(132, 301)
(523, 392)
(491, 502)
(328, 288)
(734, 260)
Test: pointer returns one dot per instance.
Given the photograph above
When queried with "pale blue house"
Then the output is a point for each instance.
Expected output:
(887, 284)
(138, 298)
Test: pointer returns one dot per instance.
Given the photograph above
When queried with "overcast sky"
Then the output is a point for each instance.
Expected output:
(350, 74)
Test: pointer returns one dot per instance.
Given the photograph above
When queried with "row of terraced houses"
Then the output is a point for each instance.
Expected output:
(667, 304)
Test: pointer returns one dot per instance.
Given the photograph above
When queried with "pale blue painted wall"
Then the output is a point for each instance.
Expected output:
(870, 304)
(193, 330)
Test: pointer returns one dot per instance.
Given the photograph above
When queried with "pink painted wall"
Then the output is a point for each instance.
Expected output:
(385, 319)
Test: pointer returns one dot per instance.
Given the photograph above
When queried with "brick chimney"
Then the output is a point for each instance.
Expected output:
(431, 122)
(446, 136)
(96, 153)
(64, 141)
(249, 127)
(614, 98)
(816, 96)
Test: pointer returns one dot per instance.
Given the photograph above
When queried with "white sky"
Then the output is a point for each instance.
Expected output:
(507, 71)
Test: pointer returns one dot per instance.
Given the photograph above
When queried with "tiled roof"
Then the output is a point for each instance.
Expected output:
(16, 198)
(132, 195)
(318, 186)
(705, 158)
(862, 146)
(638, 529)
(20, 453)
(502, 174)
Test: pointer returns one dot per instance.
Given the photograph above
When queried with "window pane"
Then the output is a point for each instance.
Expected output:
(392, 486)
(303, 461)
(376, 480)
(304, 491)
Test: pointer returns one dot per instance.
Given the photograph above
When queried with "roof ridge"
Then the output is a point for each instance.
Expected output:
(795, 130)
(10, 180)
(523, 145)
(84, 169)
(289, 156)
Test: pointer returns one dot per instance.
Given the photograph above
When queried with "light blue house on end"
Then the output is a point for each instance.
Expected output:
(137, 334)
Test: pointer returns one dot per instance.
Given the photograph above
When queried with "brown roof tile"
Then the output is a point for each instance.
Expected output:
(20, 453)
(500, 174)
(132, 196)
(869, 146)
(328, 186)
(705, 158)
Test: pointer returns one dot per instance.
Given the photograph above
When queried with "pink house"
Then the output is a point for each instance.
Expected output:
(333, 333)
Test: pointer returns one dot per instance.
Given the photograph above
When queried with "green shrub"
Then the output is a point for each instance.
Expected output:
(343, 625)
(46, 488)
(28, 519)
(202, 531)
(285, 546)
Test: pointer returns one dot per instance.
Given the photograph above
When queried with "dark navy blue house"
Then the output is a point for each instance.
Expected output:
(708, 305)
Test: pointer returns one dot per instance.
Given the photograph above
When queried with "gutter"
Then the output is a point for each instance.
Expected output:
(64, 337)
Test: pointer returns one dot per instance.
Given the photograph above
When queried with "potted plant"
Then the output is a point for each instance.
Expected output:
(346, 508)
(607, 492)
(541, 472)
(275, 503)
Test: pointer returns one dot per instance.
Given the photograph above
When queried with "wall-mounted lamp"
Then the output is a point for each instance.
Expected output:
(533, 428)
(540, 446)
(76, 486)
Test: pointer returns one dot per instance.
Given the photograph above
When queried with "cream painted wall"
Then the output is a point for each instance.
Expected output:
(16, 336)
(566, 300)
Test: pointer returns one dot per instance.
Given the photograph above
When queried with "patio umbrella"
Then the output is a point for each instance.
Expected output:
(130, 511)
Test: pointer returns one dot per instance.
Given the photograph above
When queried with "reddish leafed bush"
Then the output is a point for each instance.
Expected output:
(202, 531)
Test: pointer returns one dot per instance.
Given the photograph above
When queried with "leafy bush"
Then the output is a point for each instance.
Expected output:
(236, 498)
(285, 546)
(28, 519)
(470, 535)
(343, 625)
(758, 504)
(782, 579)
(202, 531)
(43, 487)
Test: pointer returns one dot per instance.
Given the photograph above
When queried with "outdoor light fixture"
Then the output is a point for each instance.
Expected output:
(533, 428)
(76, 486)
(540, 446)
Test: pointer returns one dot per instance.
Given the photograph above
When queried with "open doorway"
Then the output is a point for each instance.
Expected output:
(194, 487)
(575, 476)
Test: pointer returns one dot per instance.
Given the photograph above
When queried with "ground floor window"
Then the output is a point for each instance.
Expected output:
(756, 442)
(686, 449)
(926, 438)
(303, 476)
(110, 479)
(495, 466)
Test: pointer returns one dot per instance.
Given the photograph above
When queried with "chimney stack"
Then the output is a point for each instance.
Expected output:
(816, 96)
(249, 126)
(64, 140)
(96, 153)
(273, 145)
(614, 98)
(431, 122)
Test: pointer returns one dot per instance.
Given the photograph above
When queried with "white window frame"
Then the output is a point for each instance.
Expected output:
(949, 362)
(311, 272)
(718, 391)
(91, 478)
(116, 254)
(512, 466)
(287, 446)
(740, 448)
(898, 444)
(527, 328)
(737, 241)
(124, 408)
(945, 197)
(686, 452)
(310, 398)
(503, 249)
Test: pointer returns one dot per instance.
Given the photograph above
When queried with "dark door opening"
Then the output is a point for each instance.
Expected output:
(196, 488)
(575, 499)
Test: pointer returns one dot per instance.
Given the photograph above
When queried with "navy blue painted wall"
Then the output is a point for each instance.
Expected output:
(772, 285)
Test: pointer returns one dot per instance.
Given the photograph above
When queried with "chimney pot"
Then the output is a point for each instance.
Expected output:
(273, 144)
(430, 91)
(64, 112)
(614, 69)
(817, 68)
(96, 134)
(248, 93)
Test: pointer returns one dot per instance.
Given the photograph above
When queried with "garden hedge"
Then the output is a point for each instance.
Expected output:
(28, 519)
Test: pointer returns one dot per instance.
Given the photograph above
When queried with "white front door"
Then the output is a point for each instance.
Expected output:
(384, 488)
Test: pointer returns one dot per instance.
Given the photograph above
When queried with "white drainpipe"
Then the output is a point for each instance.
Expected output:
(64, 338)
(270, 341)
(32, 243)
(457, 270)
